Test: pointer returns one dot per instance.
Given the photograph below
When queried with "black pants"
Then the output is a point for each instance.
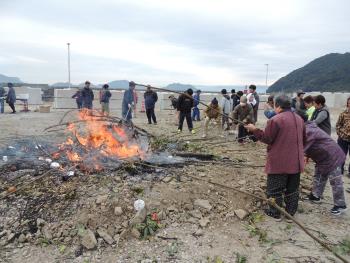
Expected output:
(12, 106)
(287, 185)
(186, 115)
(242, 133)
(345, 145)
(150, 115)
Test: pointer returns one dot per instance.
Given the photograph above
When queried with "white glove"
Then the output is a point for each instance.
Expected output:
(129, 105)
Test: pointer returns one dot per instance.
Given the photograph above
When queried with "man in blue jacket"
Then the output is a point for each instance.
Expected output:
(128, 102)
(195, 111)
(151, 98)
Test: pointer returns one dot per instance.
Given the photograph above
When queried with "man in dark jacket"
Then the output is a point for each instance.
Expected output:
(11, 97)
(104, 99)
(87, 96)
(2, 97)
(151, 98)
(285, 135)
(184, 106)
(321, 114)
(235, 99)
(243, 112)
(328, 158)
(78, 99)
(128, 102)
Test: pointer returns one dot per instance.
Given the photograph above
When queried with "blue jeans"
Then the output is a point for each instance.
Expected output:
(196, 114)
(2, 105)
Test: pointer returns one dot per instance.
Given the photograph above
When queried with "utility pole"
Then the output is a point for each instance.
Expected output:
(68, 45)
(267, 73)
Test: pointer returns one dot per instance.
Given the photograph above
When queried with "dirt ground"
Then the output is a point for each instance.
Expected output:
(189, 232)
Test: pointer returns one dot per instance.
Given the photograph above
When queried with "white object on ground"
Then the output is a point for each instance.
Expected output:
(54, 165)
(4, 158)
(48, 160)
(70, 173)
(139, 204)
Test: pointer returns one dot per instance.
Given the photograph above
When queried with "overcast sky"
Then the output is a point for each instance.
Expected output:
(164, 41)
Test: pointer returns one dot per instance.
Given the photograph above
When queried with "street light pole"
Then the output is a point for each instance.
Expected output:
(68, 45)
(267, 73)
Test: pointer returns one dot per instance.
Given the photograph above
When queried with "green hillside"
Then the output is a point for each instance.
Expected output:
(327, 73)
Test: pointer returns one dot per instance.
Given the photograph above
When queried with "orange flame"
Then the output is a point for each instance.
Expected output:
(112, 142)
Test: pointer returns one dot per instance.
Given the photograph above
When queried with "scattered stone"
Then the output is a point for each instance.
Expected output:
(241, 214)
(192, 220)
(196, 214)
(139, 217)
(101, 199)
(242, 182)
(88, 239)
(202, 204)
(135, 233)
(167, 179)
(188, 207)
(198, 233)
(46, 232)
(147, 261)
(40, 222)
(118, 211)
(106, 237)
(22, 238)
(204, 222)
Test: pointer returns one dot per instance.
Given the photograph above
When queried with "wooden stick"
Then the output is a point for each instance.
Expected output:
(182, 93)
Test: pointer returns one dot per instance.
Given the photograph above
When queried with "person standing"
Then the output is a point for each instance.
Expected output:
(136, 98)
(2, 97)
(235, 98)
(252, 90)
(321, 114)
(11, 97)
(328, 158)
(343, 132)
(269, 111)
(151, 98)
(309, 105)
(195, 111)
(78, 98)
(285, 135)
(104, 99)
(298, 102)
(87, 96)
(128, 102)
(226, 106)
(184, 106)
(243, 112)
(212, 112)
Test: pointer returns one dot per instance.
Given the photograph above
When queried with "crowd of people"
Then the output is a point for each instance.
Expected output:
(296, 130)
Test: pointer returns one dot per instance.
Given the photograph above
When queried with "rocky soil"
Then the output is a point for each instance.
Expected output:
(91, 217)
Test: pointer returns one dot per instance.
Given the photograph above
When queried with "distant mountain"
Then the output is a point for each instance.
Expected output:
(327, 73)
(5, 79)
(180, 87)
(119, 84)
